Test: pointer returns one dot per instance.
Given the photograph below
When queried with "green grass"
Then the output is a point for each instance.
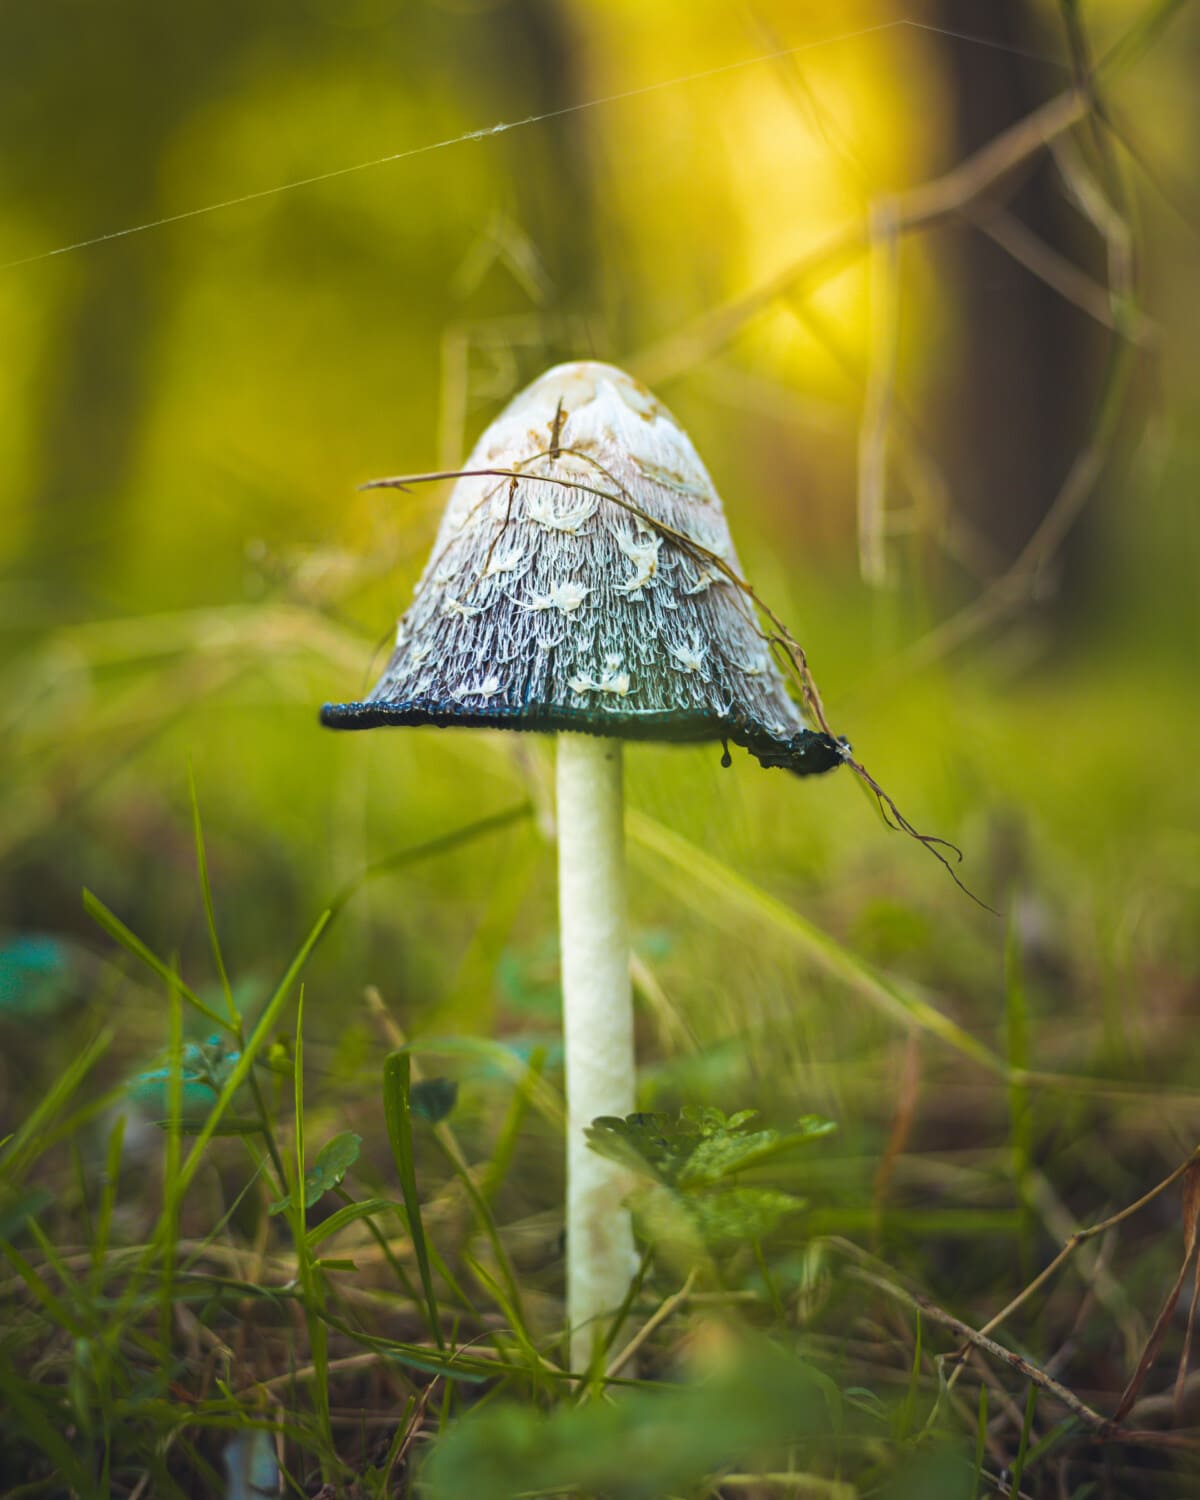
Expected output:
(233, 1304)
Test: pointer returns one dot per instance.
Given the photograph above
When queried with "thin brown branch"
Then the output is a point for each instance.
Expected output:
(1090, 1418)
(1154, 1343)
(1081, 1236)
(1107, 220)
(656, 1319)
(920, 208)
(1058, 273)
(1179, 1394)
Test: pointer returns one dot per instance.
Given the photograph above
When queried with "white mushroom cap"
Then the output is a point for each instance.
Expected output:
(564, 598)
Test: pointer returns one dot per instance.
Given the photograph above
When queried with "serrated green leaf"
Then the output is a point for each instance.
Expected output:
(334, 1160)
(654, 1145)
(704, 1119)
(723, 1153)
(739, 1214)
(700, 1147)
(693, 1201)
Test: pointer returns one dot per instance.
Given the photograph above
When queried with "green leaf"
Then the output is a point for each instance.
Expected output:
(334, 1160)
(397, 1111)
(655, 1145)
(740, 1214)
(699, 1148)
(433, 1098)
(693, 1199)
(724, 1152)
(349, 1214)
(685, 1224)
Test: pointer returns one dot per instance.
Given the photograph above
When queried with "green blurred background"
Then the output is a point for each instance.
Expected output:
(189, 570)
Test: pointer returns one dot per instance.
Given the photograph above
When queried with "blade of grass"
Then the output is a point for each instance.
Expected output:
(118, 931)
(22, 1147)
(250, 1051)
(349, 1213)
(81, 1189)
(210, 916)
(368, 1210)
(235, 1016)
(506, 1141)
(108, 1200)
(448, 1144)
(310, 1277)
(483, 1216)
(397, 1084)
(543, 1096)
(1018, 1468)
(233, 1082)
(454, 1366)
(52, 1306)
(904, 1417)
(76, 1300)
(171, 1158)
(1020, 1106)
(737, 897)
(980, 1440)
(440, 845)
(535, 1362)
(42, 1432)
(218, 1228)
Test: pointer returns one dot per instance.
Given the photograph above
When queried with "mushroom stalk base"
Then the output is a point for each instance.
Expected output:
(597, 1026)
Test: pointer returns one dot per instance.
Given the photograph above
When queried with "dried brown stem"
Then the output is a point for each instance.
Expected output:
(1044, 262)
(1080, 1237)
(921, 208)
(1090, 1418)
(656, 1319)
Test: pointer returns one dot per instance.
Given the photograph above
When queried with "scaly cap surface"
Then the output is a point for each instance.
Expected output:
(549, 604)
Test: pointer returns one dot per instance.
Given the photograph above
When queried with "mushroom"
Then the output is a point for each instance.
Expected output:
(581, 584)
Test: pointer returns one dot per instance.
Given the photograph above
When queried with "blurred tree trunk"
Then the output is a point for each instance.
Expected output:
(1017, 392)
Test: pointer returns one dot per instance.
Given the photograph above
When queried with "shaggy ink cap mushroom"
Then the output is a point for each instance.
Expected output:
(557, 598)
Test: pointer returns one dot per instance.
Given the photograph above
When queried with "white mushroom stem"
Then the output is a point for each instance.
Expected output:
(597, 1025)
